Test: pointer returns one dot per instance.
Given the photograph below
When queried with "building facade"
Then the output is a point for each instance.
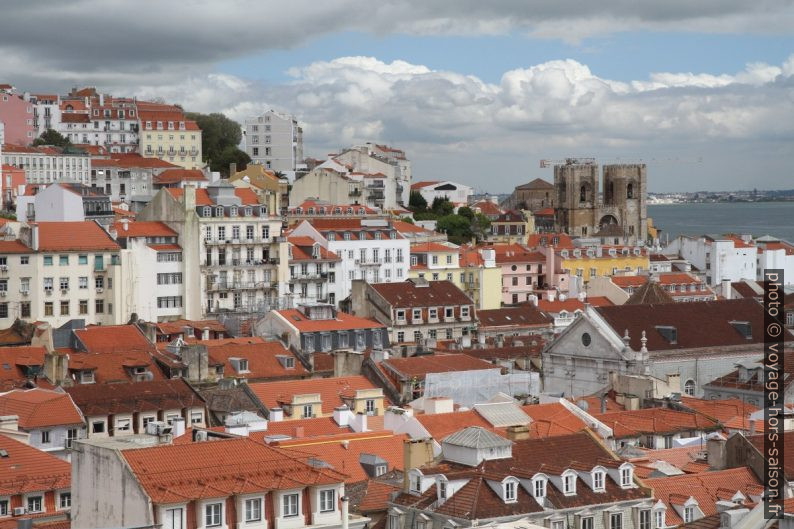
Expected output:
(17, 116)
(274, 141)
(166, 133)
(46, 165)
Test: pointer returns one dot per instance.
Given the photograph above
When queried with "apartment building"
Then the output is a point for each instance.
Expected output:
(730, 257)
(416, 309)
(680, 286)
(524, 272)
(56, 271)
(275, 141)
(246, 483)
(272, 189)
(369, 249)
(458, 194)
(46, 164)
(17, 116)
(64, 202)
(128, 178)
(587, 261)
(88, 117)
(480, 277)
(46, 111)
(12, 184)
(235, 256)
(436, 261)
(166, 133)
(312, 271)
(511, 227)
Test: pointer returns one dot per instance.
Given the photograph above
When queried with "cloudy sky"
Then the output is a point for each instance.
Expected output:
(474, 91)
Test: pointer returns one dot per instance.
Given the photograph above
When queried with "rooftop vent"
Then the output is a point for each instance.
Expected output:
(744, 327)
(669, 333)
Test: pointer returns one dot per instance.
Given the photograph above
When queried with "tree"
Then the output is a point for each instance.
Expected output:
(466, 211)
(409, 220)
(480, 226)
(416, 202)
(220, 137)
(442, 206)
(457, 228)
(52, 137)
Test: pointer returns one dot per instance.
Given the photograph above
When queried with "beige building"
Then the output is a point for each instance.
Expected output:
(274, 141)
(272, 190)
(166, 134)
(235, 258)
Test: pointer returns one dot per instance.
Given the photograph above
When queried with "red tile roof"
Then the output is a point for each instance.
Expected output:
(178, 326)
(376, 497)
(246, 195)
(301, 250)
(302, 429)
(40, 408)
(547, 239)
(552, 419)
(635, 423)
(343, 321)
(173, 176)
(343, 451)
(486, 207)
(14, 361)
(109, 399)
(114, 366)
(424, 247)
(521, 316)
(441, 425)
(407, 294)
(420, 185)
(74, 236)
(263, 360)
(141, 228)
(221, 468)
(723, 410)
(131, 160)
(707, 488)
(15, 246)
(27, 469)
(113, 338)
(331, 390)
(690, 320)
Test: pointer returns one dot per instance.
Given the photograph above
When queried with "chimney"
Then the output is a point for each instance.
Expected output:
(752, 427)
(518, 432)
(297, 432)
(416, 453)
(276, 415)
(342, 415)
(34, 237)
(9, 423)
(726, 288)
(125, 224)
(716, 452)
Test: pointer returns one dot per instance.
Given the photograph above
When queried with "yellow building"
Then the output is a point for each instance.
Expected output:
(603, 261)
(271, 189)
(165, 133)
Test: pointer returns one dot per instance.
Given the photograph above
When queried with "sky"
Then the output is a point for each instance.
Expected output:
(476, 92)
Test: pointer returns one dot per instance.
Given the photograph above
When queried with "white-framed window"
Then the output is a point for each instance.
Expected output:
(539, 488)
(370, 404)
(327, 500)
(213, 514)
(510, 491)
(625, 477)
(123, 425)
(442, 489)
(616, 520)
(45, 437)
(394, 521)
(558, 524)
(587, 523)
(417, 314)
(289, 505)
(598, 480)
(569, 484)
(644, 519)
(173, 518)
(4, 506)
(464, 312)
(64, 500)
(253, 509)
(659, 518)
(35, 504)
(689, 387)
(689, 514)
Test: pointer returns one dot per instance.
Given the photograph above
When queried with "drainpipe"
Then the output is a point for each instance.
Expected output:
(345, 522)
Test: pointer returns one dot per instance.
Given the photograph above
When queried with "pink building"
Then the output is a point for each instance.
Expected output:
(523, 272)
(17, 115)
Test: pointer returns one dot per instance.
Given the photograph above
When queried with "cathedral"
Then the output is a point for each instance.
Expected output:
(615, 213)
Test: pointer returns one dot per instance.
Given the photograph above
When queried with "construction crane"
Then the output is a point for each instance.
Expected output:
(545, 163)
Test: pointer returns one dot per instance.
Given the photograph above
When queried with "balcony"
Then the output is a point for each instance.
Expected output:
(315, 276)
(235, 242)
(354, 193)
(368, 262)
(239, 285)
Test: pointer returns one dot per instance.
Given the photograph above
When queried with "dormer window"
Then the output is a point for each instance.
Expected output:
(626, 477)
(416, 482)
(233, 211)
(539, 488)
(206, 211)
(442, 489)
(219, 211)
(689, 514)
(378, 235)
(392, 235)
(569, 484)
(598, 481)
(248, 212)
(511, 490)
(331, 236)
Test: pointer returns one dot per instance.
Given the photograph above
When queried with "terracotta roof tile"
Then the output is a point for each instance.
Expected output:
(263, 360)
(27, 469)
(331, 390)
(376, 497)
(520, 316)
(419, 366)
(186, 472)
(407, 294)
(109, 399)
(113, 338)
(14, 362)
(40, 408)
(143, 229)
(173, 176)
(74, 236)
(343, 321)
(633, 423)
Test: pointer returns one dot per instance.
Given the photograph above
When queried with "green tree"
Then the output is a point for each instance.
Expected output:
(52, 137)
(416, 202)
(409, 220)
(220, 137)
(480, 226)
(457, 228)
(466, 211)
(442, 207)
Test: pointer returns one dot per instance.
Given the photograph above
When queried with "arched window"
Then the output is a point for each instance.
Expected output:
(689, 387)
(583, 194)
(630, 190)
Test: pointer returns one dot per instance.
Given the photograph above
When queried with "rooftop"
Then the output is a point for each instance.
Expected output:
(74, 236)
(417, 367)
(407, 294)
(341, 322)
(40, 408)
(332, 391)
(27, 469)
(110, 399)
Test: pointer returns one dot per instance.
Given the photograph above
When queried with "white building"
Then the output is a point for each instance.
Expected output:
(67, 202)
(369, 249)
(312, 271)
(46, 111)
(775, 254)
(275, 140)
(45, 165)
(730, 257)
(101, 120)
(458, 194)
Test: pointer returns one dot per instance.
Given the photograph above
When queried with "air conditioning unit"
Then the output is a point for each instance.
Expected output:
(3, 268)
(100, 290)
(19, 511)
(2, 293)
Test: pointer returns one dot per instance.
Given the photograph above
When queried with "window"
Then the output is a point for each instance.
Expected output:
(48, 308)
(173, 519)
(48, 282)
(327, 500)
(616, 520)
(394, 521)
(568, 484)
(35, 504)
(464, 312)
(4, 508)
(540, 488)
(64, 500)
(668, 441)
(63, 260)
(212, 514)
(598, 481)
(45, 437)
(625, 477)
(510, 491)
(587, 523)
(253, 510)
(65, 308)
(47, 260)
(307, 410)
(290, 505)
(645, 519)
(82, 282)
(659, 515)
(689, 387)
(64, 283)
(689, 514)
(99, 306)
